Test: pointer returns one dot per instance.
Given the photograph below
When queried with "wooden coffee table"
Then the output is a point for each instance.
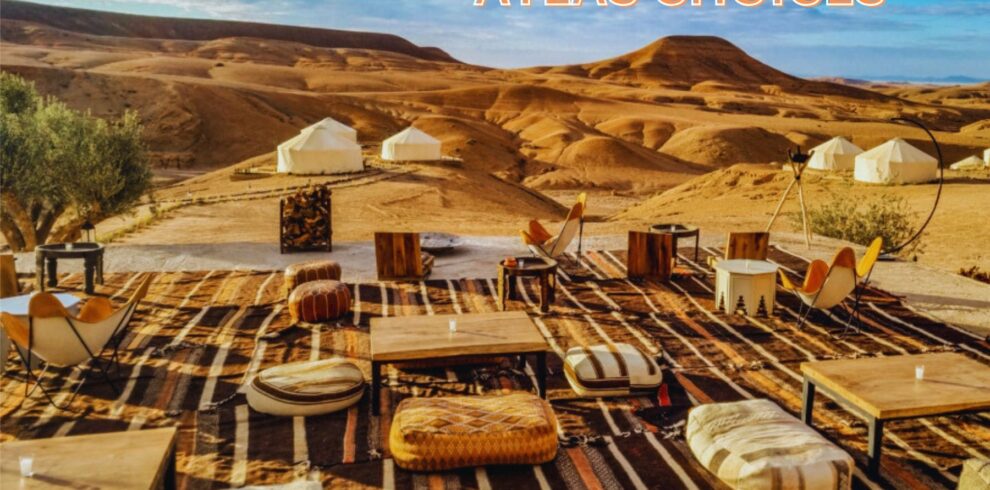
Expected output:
(419, 338)
(884, 388)
(117, 460)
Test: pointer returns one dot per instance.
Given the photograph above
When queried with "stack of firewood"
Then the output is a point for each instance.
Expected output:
(305, 220)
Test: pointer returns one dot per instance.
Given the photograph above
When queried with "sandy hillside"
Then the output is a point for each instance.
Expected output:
(213, 94)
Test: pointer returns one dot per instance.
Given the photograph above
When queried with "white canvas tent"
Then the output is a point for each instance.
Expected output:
(835, 154)
(411, 145)
(319, 150)
(895, 162)
(969, 163)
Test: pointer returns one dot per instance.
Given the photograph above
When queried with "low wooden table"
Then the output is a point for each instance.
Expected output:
(543, 269)
(135, 459)
(49, 255)
(680, 231)
(419, 338)
(884, 388)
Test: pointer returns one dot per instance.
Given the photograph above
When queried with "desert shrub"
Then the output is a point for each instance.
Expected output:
(61, 167)
(976, 273)
(862, 220)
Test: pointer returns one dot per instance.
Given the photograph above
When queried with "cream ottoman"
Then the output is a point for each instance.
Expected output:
(610, 370)
(975, 475)
(440, 433)
(755, 444)
(306, 388)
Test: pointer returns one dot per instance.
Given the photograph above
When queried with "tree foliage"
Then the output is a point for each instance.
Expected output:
(61, 167)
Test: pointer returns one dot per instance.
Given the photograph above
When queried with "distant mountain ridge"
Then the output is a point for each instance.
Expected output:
(685, 61)
(102, 23)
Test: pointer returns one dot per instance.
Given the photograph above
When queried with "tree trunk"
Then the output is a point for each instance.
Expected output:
(20, 220)
(11, 233)
(45, 222)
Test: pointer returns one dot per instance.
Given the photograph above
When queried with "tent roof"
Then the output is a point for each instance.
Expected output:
(318, 138)
(412, 135)
(970, 161)
(838, 146)
(332, 125)
(898, 150)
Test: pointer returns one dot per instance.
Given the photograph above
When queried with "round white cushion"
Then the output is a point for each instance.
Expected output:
(306, 388)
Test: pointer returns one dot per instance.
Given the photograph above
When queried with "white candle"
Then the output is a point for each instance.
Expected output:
(919, 371)
(522, 263)
(26, 466)
(452, 325)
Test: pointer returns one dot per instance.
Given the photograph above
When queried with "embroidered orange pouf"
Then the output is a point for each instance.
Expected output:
(314, 270)
(319, 301)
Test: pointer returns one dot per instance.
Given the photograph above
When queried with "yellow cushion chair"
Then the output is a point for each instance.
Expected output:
(828, 285)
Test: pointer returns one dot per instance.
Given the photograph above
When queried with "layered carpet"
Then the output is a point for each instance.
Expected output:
(202, 335)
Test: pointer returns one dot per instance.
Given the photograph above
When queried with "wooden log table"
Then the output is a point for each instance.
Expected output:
(137, 459)
(650, 256)
(47, 257)
(425, 338)
(880, 389)
(545, 270)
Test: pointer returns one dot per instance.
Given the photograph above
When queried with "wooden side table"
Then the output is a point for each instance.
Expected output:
(543, 269)
(47, 257)
(753, 282)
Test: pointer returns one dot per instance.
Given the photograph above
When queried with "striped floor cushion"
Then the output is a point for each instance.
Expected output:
(755, 444)
(314, 270)
(319, 301)
(440, 433)
(306, 388)
(975, 475)
(610, 370)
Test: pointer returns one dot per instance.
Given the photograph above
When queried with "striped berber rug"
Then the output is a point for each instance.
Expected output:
(200, 336)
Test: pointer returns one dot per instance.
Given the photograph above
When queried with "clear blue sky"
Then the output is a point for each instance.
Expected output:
(904, 38)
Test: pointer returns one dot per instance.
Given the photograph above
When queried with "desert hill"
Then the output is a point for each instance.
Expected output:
(145, 27)
(642, 122)
(685, 61)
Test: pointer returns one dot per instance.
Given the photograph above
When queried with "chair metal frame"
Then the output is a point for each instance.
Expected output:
(27, 360)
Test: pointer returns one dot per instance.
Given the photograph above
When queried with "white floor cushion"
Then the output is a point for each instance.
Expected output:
(755, 444)
(610, 370)
(306, 388)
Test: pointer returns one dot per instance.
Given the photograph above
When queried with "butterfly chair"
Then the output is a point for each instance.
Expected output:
(745, 245)
(824, 285)
(545, 245)
(53, 335)
(864, 270)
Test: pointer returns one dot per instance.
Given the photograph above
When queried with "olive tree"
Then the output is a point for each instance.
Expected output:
(61, 167)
